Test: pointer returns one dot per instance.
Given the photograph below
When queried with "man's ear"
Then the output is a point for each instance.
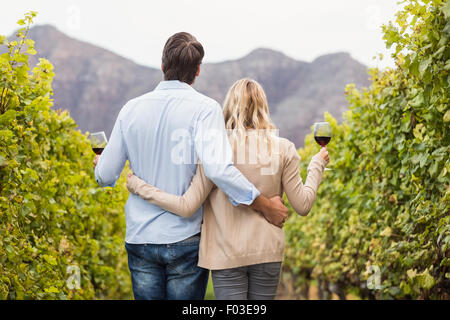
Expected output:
(198, 71)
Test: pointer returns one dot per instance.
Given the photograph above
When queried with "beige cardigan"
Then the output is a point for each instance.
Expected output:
(238, 236)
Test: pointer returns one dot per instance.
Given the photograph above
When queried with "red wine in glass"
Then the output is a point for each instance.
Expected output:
(98, 142)
(98, 150)
(322, 134)
(323, 141)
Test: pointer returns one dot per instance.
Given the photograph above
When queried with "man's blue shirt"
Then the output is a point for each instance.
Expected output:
(164, 134)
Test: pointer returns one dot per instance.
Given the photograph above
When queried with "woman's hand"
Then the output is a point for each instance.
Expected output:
(324, 154)
(130, 185)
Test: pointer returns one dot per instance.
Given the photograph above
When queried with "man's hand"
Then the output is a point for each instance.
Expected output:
(96, 160)
(273, 209)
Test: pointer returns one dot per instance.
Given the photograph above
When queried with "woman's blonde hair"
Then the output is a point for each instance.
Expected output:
(246, 107)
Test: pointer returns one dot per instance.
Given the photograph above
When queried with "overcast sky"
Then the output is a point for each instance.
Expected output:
(228, 29)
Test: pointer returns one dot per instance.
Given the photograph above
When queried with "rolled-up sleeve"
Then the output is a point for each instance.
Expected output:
(214, 152)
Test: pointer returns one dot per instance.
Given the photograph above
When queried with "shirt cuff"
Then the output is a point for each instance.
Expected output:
(99, 181)
(247, 200)
(112, 185)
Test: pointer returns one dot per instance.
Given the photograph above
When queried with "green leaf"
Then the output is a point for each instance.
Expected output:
(447, 30)
(30, 42)
(406, 288)
(446, 9)
(433, 168)
(51, 260)
(51, 289)
(31, 51)
(423, 160)
(423, 66)
(394, 291)
(3, 162)
(386, 232)
(411, 273)
(425, 280)
(447, 116)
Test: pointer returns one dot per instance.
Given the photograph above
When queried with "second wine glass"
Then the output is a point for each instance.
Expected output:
(322, 134)
(98, 141)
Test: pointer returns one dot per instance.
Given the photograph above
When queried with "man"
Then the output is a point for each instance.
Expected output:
(149, 132)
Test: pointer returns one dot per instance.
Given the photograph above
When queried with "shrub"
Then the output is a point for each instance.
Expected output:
(54, 219)
(384, 208)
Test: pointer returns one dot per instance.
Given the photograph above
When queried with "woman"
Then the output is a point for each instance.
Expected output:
(243, 251)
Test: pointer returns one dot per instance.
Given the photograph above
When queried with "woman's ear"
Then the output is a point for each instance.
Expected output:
(162, 67)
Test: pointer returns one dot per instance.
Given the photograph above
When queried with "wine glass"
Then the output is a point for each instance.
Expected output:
(98, 141)
(322, 134)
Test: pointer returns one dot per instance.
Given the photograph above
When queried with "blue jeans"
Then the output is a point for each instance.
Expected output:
(167, 271)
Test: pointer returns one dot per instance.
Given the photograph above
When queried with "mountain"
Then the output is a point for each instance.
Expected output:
(91, 82)
(94, 83)
(298, 92)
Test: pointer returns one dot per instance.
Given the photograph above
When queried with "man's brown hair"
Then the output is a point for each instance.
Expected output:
(182, 55)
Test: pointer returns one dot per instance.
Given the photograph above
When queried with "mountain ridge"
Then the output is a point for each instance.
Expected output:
(298, 92)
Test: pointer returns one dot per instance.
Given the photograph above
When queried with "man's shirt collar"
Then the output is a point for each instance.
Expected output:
(173, 84)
